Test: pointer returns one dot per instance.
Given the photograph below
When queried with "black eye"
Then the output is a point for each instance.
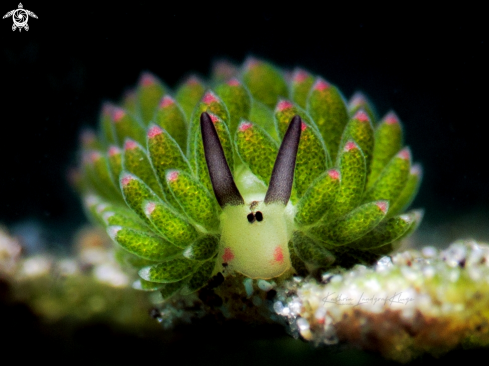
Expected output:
(251, 217)
(259, 216)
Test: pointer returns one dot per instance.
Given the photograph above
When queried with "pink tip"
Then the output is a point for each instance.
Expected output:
(416, 169)
(299, 76)
(172, 176)
(350, 145)
(404, 154)
(118, 114)
(278, 254)
(113, 230)
(192, 80)
(391, 118)
(228, 255)
(234, 82)
(251, 62)
(150, 207)
(244, 126)
(114, 150)
(154, 131)
(87, 137)
(321, 85)
(334, 174)
(361, 116)
(283, 105)
(303, 126)
(358, 99)
(107, 108)
(382, 205)
(147, 79)
(94, 156)
(214, 118)
(166, 101)
(126, 180)
(209, 98)
(130, 145)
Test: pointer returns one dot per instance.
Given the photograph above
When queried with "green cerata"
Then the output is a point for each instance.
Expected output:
(258, 171)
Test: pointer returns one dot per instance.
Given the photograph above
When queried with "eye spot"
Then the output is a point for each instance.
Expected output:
(259, 216)
(251, 217)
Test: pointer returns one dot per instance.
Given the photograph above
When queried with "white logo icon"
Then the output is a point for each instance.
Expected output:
(20, 17)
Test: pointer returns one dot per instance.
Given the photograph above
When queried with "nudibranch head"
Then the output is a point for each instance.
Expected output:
(257, 172)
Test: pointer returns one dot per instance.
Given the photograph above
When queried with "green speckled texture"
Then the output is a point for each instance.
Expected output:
(135, 161)
(171, 117)
(145, 172)
(135, 193)
(318, 198)
(352, 226)
(351, 164)
(149, 92)
(189, 93)
(391, 181)
(144, 245)
(238, 101)
(328, 109)
(388, 142)
(173, 270)
(311, 251)
(170, 224)
(265, 82)
(302, 82)
(194, 199)
(256, 149)
(203, 248)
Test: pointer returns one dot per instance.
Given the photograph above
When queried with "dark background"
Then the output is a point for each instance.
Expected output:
(429, 67)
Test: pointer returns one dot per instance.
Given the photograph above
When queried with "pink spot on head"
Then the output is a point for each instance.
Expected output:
(405, 154)
(130, 144)
(361, 116)
(214, 118)
(172, 176)
(114, 150)
(147, 79)
(118, 114)
(283, 105)
(383, 205)
(150, 207)
(228, 255)
(233, 82)
(154, 131)
(166, 101)
(209, 98)
(334, 174)
(278, 254)
(321, 84)
(126, 180)
(391, 118)
(303, 126)
(299, 76)
(350, 145)
(244, 126)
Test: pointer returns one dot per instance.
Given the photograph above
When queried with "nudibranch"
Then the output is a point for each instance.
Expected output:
(255, 229)
(257, 172)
